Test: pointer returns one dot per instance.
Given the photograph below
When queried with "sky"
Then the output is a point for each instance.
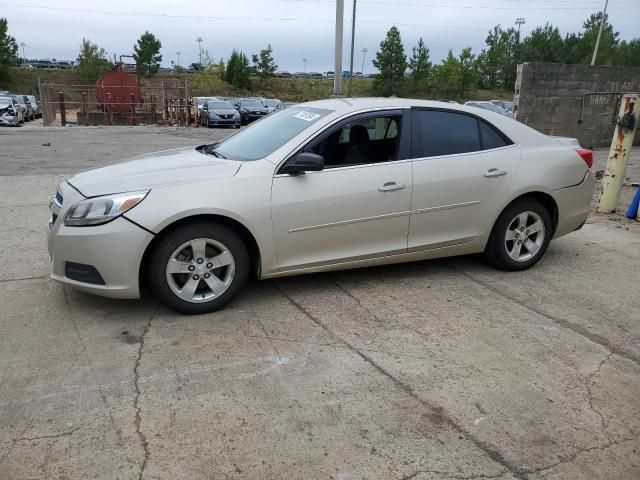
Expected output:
(296, 29)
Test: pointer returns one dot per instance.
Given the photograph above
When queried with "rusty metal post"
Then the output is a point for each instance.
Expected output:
(188, 113)
(619, 153)
(133, 109)
(109, 111)
(85, 108)
(153, 109)
(63, 112)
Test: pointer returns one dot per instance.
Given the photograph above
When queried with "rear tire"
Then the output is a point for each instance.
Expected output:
(520, 236)
(198, 268)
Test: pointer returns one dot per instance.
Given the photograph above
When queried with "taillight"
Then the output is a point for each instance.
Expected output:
(587, 156)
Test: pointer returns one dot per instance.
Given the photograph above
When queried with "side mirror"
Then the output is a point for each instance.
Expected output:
(304, 162)
(204, 107)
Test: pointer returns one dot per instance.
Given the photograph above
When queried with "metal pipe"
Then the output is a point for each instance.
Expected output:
(619, 152)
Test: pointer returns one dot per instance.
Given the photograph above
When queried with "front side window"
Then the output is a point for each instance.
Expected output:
(266, 136)
(361, 141)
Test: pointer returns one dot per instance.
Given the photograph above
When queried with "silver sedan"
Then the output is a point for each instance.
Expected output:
(324, 185)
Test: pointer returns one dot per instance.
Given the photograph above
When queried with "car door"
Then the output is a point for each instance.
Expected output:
(346, 212)
(462, 168)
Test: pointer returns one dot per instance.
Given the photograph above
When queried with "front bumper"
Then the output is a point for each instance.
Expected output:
(8, 120)
(115, 250)
(224, 121)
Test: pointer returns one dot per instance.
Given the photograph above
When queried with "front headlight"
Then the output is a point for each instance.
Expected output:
(100, 210)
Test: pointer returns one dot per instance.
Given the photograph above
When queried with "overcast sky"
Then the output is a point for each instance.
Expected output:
(296, 29)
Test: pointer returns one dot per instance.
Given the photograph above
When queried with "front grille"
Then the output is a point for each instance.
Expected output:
(226, 116)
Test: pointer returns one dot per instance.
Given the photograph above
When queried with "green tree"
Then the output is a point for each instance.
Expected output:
(391, 61)
(237, 71)
(146, 51)
(543, 44)
(628, 53)
(447, 76)
(419, 64)
(498, 62)
(608, 40)
(468, 76)
(92, 61)
(8, 52)
(264, 64)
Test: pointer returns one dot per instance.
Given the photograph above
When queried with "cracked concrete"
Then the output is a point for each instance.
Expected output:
(427, 371)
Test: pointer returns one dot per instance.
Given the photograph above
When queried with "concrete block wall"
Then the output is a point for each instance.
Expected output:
(548, 97)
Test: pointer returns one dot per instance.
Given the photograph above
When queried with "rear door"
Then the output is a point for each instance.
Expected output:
(462, 169)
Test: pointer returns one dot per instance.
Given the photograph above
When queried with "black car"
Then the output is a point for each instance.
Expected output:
(251, 109)
(219, 112)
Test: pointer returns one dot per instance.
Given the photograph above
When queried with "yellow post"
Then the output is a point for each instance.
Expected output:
(619, 153)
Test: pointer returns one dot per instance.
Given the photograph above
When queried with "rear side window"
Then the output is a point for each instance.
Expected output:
(490, 137)
(443, 133)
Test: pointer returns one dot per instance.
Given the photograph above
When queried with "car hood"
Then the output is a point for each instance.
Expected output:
(230, 111)
(170, 167)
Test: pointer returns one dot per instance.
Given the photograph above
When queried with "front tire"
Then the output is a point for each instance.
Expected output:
(198, 268)
(520, 236)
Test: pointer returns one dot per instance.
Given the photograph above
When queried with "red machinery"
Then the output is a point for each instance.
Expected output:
(119, 88)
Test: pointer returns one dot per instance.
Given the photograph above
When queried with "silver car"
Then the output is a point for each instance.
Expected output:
(219, 113)
(10, 111)
(325, 185)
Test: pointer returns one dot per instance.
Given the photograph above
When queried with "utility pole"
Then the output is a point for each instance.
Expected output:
(199, 40)
(364, 52)
(22, 44)
(304, 62)
(337, 74)
(353, 39)
(178, 55)
(595, 49)
(619, 153)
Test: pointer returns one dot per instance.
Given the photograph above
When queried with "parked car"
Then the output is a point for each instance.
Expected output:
(23, 107)
(506, 104)
(272, 104)
(329, 74)
(488, 106)
(219, 112)
(251, 109)
(31, 114)
(283, 74)
(324, 185)
(315, 75)
(36, 106)
(10, 111)
(300, 75)
(199, 102)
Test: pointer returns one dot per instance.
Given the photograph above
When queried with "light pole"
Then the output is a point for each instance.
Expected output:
(353, 39)
(178, 55)
(520, 21)
(22, 44)
(304, 62)
(337, 69)
(595, 49)
(364, 52)
(199, 40)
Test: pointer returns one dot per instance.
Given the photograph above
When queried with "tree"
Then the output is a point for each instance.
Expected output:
(608, 40)
(147, 54)
(8, 51)
(92, 61)
(628, 53)
(456, 76)
(264, 64)
(237, 71)
(391, 61)
(543, 44)
(419, 64)
(468, 72)
(497, 64)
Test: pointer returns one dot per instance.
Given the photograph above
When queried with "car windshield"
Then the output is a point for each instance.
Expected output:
(272, 103)
(267, 135)
(251, 104)
(219, 106)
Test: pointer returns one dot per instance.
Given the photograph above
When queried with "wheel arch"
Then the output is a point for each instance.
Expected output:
(544, 198)
(245, 234)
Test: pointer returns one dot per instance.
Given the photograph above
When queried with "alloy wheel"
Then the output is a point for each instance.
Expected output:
(524, 236)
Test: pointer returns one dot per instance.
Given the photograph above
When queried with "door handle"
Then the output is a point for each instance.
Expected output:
(494, 172)
(391, 187)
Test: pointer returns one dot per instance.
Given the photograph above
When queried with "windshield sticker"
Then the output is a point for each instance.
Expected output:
(306, 116)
